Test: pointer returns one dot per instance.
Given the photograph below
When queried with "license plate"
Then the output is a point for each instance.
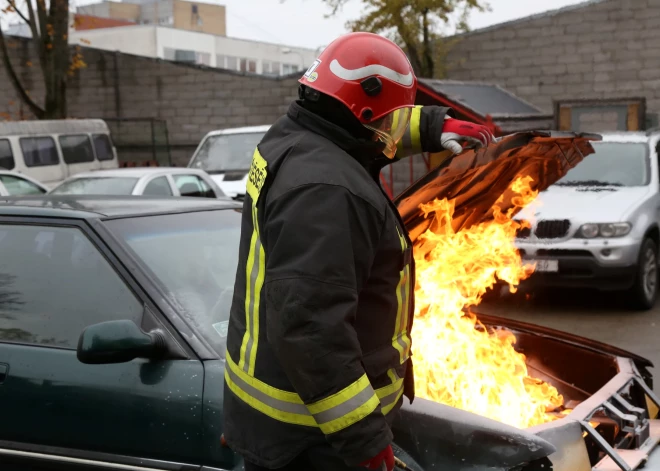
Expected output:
(547, 266)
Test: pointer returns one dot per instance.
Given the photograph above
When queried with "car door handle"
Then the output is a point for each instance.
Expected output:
(4, 369)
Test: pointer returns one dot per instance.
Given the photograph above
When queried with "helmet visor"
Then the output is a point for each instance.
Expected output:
(390, 129)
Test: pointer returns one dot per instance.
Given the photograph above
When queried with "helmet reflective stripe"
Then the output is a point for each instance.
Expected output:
(369, 70)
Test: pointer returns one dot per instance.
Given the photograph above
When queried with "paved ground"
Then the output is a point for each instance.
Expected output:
(601, 316)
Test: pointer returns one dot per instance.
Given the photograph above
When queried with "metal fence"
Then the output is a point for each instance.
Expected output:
(140, 141)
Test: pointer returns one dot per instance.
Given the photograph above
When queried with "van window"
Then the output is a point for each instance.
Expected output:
(6, 156)
(76, 149)
(39, 151)
(103, 147)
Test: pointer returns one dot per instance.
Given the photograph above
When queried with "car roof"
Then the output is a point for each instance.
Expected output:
(136, 172)
(101, 206)
(243, 130)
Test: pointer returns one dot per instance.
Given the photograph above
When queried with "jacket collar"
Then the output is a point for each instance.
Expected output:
(368, 153)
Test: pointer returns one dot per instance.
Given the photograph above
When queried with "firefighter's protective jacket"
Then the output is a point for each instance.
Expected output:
(318, 347)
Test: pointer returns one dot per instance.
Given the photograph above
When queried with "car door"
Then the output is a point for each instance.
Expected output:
(55, 280)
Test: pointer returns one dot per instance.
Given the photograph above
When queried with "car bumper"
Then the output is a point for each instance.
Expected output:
(602, 264)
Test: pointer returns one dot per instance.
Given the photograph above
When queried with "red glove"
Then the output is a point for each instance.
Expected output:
(456, 132)
(383, 461)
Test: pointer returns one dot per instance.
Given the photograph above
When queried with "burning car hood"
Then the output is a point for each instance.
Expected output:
(443, 437)
(476, 179)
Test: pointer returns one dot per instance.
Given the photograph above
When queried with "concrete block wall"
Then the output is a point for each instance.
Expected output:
(193, 100)
(599, 49)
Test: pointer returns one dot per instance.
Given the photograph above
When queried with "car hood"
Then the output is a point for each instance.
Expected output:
(474, 180)
(598, 204)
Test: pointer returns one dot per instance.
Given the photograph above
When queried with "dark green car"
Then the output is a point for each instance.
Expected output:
(111, 266)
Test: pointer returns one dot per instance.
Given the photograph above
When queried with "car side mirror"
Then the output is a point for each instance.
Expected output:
(118, 342)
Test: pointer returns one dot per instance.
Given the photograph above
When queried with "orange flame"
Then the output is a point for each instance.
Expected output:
(459, 362)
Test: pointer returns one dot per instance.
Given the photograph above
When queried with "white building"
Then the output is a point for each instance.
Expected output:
(200, 48)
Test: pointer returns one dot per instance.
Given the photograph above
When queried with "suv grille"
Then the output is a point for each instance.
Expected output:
(552, 229)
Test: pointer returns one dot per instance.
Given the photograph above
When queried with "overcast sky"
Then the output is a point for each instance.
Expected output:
(302, 22)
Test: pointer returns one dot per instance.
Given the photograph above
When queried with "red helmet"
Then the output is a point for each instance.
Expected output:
(371, 76)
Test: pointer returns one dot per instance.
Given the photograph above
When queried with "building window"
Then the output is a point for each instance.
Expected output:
(289, 68)
(220, 61)
(181, 55)
(203, 58)
(270, 67)
(232, 63)
(248, 65)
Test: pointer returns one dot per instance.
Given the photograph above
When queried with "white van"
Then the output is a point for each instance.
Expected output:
(226, 155)
(51, 151)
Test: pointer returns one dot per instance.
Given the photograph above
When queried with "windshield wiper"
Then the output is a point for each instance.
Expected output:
(587, 183)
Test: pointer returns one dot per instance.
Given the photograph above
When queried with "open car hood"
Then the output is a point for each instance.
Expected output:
(476, 179)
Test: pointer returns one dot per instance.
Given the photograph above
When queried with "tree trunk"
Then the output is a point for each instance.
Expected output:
(427, 47)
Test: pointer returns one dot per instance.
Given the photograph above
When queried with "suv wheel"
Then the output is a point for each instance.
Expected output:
(645, 290)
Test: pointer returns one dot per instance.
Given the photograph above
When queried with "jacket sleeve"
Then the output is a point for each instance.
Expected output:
(320, 244)
(424, 131)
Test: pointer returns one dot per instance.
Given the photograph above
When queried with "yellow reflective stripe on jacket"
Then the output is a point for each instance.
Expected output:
(411, 142)
(400, 340)
(280, 405)
(332, 414)
(348, 406)
(255, 269)
(390, 395)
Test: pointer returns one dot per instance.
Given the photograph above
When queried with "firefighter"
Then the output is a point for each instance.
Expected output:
(318, 346)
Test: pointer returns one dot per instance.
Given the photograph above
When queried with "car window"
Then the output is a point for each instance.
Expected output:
(613, 164)
(192, 185)
(103, 147)
(20, 186)
(193, 257)
(96, 186)
(76, 149)
(158, 187)
(227, 152)
(6, 155)
(39, 151)
(53, 283)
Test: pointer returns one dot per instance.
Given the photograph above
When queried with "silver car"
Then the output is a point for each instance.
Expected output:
(149, 181)
(598, 226)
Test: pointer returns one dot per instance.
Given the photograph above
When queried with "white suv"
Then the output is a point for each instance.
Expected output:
(598, 226)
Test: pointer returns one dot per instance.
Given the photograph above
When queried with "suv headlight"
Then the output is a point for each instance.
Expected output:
(607, 230)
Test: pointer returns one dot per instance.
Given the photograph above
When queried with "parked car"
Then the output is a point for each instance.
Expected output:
(17, 184)
(226, 156)
(113, 323)
(150, 181)
(598, 227)
(51, 151)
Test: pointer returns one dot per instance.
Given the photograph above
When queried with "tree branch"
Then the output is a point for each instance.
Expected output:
(16, 82)
(12, 4)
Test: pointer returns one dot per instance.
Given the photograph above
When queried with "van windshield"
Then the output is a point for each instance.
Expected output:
(227, 152)
(613, 164)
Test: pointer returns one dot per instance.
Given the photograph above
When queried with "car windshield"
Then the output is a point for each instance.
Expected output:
(227, 152)
(96, 186)
(193, 257)
(613, 164)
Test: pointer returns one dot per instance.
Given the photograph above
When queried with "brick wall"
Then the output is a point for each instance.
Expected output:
(191, 99)
(601, 49)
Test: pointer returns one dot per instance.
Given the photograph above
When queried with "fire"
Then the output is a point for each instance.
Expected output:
(458, 362)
